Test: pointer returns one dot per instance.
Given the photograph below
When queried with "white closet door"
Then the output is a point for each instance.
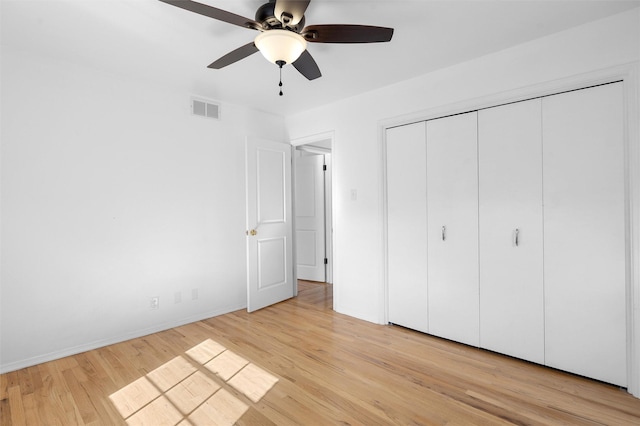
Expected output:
(511, 287)
(407, 226)
(452, 227)
(584, 233)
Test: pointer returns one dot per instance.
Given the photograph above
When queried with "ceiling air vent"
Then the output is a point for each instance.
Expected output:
(205, 108)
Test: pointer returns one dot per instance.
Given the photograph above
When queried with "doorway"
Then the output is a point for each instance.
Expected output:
(313, 208)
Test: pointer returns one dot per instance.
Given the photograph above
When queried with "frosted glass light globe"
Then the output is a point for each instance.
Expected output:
(280, 45)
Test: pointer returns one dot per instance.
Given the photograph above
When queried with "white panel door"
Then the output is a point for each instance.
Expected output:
(310, 217)
(269, 223)
(452, 227)
(584, 233)
(510, 173)
(407, 226)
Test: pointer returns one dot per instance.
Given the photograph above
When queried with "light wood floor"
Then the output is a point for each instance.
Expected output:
(301, 363)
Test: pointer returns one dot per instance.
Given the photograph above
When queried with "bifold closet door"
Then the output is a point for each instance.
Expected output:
(584, 233)
(510, 188)
(452, 227)
(407, 226)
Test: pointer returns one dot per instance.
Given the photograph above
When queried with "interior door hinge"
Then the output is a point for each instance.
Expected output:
(324, 167)
(326, 261)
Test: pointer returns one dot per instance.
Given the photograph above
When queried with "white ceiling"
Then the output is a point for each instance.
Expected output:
(155, 41)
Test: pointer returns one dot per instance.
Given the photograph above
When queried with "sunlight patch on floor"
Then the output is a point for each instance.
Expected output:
(190, 390)
(253, 382)
(226, 365)
(171, 373)
(134, 396)
(205, 351)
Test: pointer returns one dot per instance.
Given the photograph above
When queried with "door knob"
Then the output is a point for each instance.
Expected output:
(253, 232)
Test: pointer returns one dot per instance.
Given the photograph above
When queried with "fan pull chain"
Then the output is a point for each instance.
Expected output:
(280, 63)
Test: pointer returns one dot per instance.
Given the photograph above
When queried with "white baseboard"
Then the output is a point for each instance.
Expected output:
(52, 356)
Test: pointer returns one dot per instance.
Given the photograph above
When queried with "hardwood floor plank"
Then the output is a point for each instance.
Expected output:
(58, 406)
(299, 362)
(17, 406)
(7, 381)
(32, 416)
(5, 412)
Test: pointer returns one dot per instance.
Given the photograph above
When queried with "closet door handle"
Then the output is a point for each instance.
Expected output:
(444, 233)
(516, 234)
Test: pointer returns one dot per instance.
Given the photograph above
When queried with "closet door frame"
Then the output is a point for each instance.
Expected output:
(629, 75)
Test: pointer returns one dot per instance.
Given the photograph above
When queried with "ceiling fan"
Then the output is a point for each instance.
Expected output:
(283, 35)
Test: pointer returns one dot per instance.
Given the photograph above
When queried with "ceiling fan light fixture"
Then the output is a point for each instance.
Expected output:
(280, 45)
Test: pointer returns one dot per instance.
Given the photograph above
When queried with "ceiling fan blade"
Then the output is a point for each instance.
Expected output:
(234, 56)
(346, 34)
(215, 13)
(307, 66)
(293, 11)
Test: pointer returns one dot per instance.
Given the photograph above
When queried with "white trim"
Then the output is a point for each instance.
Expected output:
(630, 75)
(313, 138)
(608, 75)
(52, 356)
(632, 151)
(384, 291)
(294, 240)
(313, 149)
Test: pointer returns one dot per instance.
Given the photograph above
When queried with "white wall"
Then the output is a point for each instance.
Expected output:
(358, 225)
(356, 149)
(112, 193)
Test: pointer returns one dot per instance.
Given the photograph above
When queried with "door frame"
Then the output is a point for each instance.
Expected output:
(329, 210)
(319, 156)
(629, 74)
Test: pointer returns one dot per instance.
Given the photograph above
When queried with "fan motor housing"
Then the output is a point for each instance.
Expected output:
(266, 16)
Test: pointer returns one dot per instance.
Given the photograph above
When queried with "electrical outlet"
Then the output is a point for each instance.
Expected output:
(194, 294)
(154, 303)
(177, 297)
